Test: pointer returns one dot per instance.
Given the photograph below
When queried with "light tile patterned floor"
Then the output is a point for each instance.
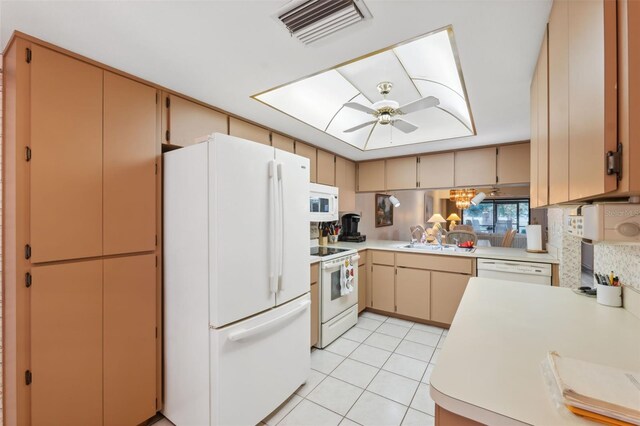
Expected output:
(376, 374)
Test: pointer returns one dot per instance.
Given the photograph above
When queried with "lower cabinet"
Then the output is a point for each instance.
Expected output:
(446, 292)
(93, 342)
(362, 287)
(413, 292)
(315, 305)
(382, 287)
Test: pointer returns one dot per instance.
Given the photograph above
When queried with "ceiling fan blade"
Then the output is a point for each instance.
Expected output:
(424, 103)
(360, 126)
(404, 126)
(360, 107)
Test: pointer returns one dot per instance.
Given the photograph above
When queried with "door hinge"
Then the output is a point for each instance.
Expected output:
(27, 280)
(27, 251)
(614, 162)
(28, 55)
(27, 153)
(167, 136)
(168, 102)
(27, 377)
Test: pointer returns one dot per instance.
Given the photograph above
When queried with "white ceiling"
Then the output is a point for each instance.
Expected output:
(222, 52)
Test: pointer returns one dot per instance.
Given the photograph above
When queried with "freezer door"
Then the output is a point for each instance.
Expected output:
(293, 226)
(242, 201)
(258, 363)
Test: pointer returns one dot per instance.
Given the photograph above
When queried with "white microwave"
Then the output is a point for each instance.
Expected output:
(323, 203)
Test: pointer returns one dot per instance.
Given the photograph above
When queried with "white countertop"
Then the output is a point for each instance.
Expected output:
(489, 369)
(502, 253)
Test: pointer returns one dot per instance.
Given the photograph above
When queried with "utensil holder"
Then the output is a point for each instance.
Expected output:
(333, 239)
(323, 241)
(609, 295)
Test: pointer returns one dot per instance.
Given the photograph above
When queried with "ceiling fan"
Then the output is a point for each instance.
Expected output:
(386, 110)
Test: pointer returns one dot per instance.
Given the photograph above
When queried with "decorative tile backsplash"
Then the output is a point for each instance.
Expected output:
(623, 260)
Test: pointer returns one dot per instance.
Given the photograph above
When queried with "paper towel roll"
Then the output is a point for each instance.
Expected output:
(534, 237)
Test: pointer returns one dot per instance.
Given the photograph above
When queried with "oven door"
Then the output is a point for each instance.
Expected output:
(332, 302)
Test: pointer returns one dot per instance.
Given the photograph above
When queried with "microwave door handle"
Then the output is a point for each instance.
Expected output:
(281, 233)
(273, 278)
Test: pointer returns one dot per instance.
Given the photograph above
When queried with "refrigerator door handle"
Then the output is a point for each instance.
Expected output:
(281, 233)
(245, 333)
(273, 274)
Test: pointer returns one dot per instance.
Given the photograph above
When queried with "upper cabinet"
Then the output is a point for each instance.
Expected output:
(475, 167)
(539, 148)
(513, 164)
(346, 183)
(326, 168)
(184, 122)
(401, 173)
(282, 142)
(245, 130)
(309, 152)
(371, 176)
(436, 170)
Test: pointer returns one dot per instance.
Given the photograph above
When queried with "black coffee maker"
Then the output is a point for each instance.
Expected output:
(350, 229)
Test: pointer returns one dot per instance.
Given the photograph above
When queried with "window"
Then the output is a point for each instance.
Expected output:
(498, 216)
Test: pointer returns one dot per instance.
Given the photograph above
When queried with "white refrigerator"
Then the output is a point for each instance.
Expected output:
(236, 281)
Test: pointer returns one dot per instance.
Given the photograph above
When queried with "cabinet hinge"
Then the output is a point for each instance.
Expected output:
(156, 168)
(167, 102)
(270, 137)
(27, 280)
(156, 332)
(496, 179)
(27, 377)
(614, 162)
(27, 251)
(417, 184)
(418, 158)
(167, 136)
(156, 403)
(156, 240)
(156, 97)
(28, 55)
(156, 261)
(27, 153)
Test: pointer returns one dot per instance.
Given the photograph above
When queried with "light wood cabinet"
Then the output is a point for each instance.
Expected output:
(326, 168)
(184, 122)
(543, 125)
(592, 96)
(362, 281)
(66, 164)
(309, 152)
(382, 287)
(413, 291)
(66, 344)
(475, 167)
(282, 142)
(346, 183)
(371, 176)
(558, 53)
(401, 173)
(315, 304)
(513, 164)
(436, 170)
(129, 339)
(130, 143)
(533, 146)
(248, 131)
(446, 292)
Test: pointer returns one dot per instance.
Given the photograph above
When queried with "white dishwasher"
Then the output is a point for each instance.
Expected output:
(518, 272)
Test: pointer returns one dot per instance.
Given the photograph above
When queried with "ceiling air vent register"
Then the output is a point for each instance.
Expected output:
(312, 20)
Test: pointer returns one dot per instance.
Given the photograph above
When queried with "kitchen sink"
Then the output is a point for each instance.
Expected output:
(435, 247)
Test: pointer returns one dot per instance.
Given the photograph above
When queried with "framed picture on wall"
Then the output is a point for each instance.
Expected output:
(383, 210)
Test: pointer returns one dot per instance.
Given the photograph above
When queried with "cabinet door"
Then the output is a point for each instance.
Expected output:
(310, 153)
(129, 165)
(66, 167)
(282, 142)
(66, 344)
(559, 102)
(413, 292)
(382, 287)
(129, 339)
(436, 170)
(543, 125)
(533, 149)
(362, 287)
(189, 121)
(475, 167)
(592, 96)
(326, 168)
(346, 183)
(371, 176)
(513, 164)
(402, 173)
(446, 292)
(315, 313)
(249, 131)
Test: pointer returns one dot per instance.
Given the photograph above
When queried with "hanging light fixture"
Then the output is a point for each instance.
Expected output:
(462, 197)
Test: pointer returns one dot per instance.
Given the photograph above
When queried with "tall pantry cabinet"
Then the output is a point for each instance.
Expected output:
(81, 231)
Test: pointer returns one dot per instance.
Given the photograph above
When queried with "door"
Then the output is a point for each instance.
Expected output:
(129, 339)
(362, 287)
(263, 359)
(371, 176)
(129, 165)
(402, 173)
(294, 225)
(66, 344)
(326, 168)
(242, 237)
(66, 164)
(248, 131)
(189, 121)
(346, 183)
(382, 288)
(533, 149)
(446, 292)
(310, 153)
(475, 167)
(413, 292)
(543, 125)
(282, 142)
(436, 170)
(513, 164)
